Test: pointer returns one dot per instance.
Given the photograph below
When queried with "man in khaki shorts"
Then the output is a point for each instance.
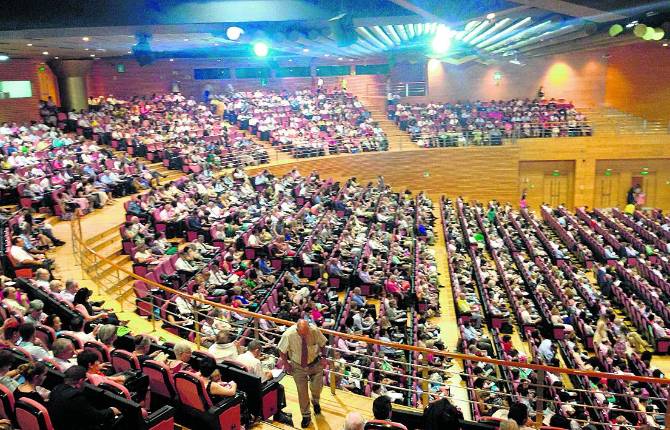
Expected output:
(302, 352)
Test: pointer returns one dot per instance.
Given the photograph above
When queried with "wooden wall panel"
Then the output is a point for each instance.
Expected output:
(474, 173)
(637, 80)
(159, 76)
(619, 180)
(579, 77)
(24, 109)
(538, 179)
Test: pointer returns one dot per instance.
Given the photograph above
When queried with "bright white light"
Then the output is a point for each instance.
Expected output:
(326, 55)
(4, 57)
(442, 40)
(92, 55)
(45, 53)
(491, 16)
(85, 38)
(29, 44)
(305, 50)
(234, 33)
(631, 24)
(185, 39)
(340, 58)
(261, 49)
(171, 59)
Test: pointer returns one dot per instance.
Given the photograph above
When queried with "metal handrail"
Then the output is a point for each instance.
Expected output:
(79, 244)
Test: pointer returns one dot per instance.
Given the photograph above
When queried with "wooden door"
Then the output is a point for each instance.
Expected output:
(607, 191)
(556, 190)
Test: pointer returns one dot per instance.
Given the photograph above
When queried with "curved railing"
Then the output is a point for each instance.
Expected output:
(93, 263)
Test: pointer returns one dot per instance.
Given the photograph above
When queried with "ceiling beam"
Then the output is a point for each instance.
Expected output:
(418, 10)
(572, 9)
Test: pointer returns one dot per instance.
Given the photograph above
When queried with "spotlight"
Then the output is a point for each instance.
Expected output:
(4, 57)
(649, 33)
(442, 40)
(261, 49)
(234, 33)
(659, 34)
(615, 30)
(640, 30)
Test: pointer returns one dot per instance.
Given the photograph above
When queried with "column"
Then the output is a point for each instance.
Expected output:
(72, 82)
(585, 181)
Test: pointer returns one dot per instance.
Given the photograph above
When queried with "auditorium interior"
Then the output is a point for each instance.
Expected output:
(466, 204)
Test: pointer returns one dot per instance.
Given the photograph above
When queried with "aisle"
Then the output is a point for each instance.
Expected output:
(447, 320)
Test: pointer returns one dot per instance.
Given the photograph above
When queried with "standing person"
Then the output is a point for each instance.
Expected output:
(302, 352)
(523, 203)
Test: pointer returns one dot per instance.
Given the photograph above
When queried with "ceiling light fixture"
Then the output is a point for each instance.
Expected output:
(29, 44)
(4, 57)
(85, 38)
(234, 33)
(56, 58)
(261, 49)
(45, 52)
(186, 39)
(442, 40)
(305, 50)
(340, 58)
(92, 55)
(171, 59)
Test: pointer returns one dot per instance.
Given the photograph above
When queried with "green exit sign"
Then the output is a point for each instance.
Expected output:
(121, 68)
(608, 173)
(644, 172)
(555, 173)
(42, 69)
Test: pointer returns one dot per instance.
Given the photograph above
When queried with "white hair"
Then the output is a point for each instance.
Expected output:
(354, 421)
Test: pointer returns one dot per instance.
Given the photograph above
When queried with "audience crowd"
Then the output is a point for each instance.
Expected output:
(487, 123)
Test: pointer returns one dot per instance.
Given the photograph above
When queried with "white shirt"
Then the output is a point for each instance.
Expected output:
(226, 351)
(252, 364)
(19, 254)
(184, 265)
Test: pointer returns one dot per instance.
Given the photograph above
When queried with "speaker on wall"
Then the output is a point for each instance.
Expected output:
(342, 29)
(142, 50)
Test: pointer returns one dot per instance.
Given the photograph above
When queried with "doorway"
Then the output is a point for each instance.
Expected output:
(555, 190)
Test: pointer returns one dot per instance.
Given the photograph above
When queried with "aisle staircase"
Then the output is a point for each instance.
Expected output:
(398, 140)
(610, 121)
